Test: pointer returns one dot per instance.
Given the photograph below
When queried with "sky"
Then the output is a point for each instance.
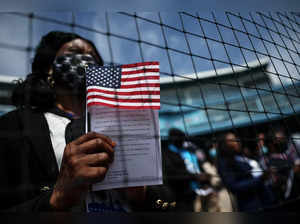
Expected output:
(146, 5)
(16, 36)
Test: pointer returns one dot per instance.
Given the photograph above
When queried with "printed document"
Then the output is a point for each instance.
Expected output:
(137, 160)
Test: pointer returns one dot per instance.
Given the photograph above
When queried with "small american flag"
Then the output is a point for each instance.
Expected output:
(132, 86)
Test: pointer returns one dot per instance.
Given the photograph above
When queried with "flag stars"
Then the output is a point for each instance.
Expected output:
(109, 77)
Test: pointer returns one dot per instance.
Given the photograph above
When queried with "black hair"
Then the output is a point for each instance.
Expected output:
(270, 136)
(176, 137)
(274, 144)
(223, 153)
(35, 90)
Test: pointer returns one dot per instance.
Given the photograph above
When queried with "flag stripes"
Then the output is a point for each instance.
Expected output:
(139, 86)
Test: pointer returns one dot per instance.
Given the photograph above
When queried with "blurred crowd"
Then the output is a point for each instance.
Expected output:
(231, 173)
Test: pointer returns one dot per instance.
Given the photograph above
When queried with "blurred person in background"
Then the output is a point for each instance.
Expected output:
(294, 151)
(247, 152)
(207, 202)
(294, 146)
(222, 201)
(283, 161)
(261, 144)
(248, 184)
(200, 153)
(183, 172)
(262, 152)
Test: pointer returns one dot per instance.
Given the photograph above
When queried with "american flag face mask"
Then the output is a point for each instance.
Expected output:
(69, 70)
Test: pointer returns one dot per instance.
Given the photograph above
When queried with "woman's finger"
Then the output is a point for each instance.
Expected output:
(97, 159)
(93, 135)
(95, 146)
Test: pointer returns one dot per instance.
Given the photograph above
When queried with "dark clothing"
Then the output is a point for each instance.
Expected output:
(178, 180)
(251, 193)
(282, 175)
(28, 166)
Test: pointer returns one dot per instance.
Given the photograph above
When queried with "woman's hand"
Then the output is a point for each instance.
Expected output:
(85, 161)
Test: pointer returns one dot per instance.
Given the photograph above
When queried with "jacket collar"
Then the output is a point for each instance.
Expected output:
(61, 113)
(36, 130)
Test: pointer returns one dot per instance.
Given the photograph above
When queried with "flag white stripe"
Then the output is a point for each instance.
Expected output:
(121, 103)
(113, 96)
(140, 75)
(140, 68)
(125, 90)
(148, 81)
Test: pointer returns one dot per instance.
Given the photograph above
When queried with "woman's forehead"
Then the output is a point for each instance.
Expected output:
(80, 44)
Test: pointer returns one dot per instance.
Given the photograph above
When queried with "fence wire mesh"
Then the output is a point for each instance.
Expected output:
(220, 72)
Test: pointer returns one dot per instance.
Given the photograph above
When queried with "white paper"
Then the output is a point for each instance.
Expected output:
(204, 192)
(137, 160)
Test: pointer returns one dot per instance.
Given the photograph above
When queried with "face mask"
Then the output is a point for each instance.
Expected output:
(69, 71)
(213, 152)
(264, 150)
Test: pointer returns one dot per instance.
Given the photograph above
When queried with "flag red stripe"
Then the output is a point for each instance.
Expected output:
(140, 71)
(123, 107)
(140, 64)
(124, 100)
(140, 78)
(124, 93)
(141, 85)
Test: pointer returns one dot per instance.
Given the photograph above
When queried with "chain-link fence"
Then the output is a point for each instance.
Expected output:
(220, 72)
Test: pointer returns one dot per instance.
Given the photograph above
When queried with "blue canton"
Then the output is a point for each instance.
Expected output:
(104, 76)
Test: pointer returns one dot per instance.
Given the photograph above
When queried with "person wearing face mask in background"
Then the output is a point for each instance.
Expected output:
(283, 160)
(47, 162)
(222, 199)
(207, 200)
(183, 173)
(262, 152)
(251, 189)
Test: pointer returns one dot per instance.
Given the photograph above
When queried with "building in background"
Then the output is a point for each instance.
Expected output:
(218, 100)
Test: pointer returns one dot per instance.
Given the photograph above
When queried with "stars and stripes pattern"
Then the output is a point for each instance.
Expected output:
(132, 86)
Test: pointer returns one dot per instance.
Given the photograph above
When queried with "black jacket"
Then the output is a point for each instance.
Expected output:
(28, 167)
(177, 178)
(251, 192)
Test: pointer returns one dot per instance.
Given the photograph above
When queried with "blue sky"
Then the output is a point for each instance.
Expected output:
(153, 5)
(16, 33)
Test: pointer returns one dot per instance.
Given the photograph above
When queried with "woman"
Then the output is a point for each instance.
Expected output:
(222, 197)
(241, 177)
(281, 160)
(39, 169)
